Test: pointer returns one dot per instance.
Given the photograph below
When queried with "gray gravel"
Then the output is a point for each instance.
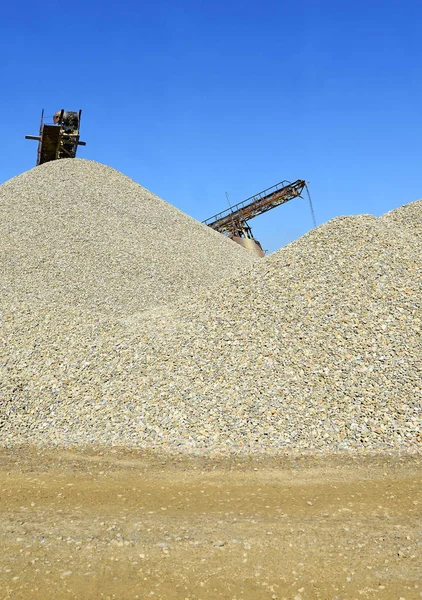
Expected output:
(316, 348)
(408, 216)
(78, 233)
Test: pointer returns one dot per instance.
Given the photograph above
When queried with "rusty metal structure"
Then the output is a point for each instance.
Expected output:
(59, 139)
(233, 222)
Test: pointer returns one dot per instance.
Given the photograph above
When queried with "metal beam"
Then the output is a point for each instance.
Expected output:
(234, 218)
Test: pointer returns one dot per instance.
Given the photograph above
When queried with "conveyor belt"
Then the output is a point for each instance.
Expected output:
(234, 218)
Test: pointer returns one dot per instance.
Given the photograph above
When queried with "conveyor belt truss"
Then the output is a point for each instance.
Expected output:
(234, 219)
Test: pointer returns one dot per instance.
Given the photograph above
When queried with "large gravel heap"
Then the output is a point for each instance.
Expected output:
(78, 233)
(314, 348)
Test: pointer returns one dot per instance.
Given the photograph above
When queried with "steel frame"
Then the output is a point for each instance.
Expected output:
(54, 143)
(234, 220)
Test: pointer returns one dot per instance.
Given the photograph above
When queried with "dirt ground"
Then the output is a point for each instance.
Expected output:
(128, 525)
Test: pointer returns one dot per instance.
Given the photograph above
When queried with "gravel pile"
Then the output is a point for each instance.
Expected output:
(74, 232)
(408, 216)
(316, 348)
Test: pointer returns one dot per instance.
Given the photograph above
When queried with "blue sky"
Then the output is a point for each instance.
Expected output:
(193, 99)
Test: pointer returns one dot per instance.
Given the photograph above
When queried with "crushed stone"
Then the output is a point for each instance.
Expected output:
(316, 348)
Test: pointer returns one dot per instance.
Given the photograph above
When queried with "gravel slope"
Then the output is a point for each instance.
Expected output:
(74, 232)
(314, 348)
(408, 216)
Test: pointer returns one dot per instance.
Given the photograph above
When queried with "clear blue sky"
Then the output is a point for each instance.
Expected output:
(192, 99)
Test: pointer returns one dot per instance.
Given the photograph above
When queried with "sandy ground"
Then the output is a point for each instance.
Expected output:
(128, 525)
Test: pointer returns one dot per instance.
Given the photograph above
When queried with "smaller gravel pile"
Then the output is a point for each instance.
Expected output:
(316, 348)
(408, 216)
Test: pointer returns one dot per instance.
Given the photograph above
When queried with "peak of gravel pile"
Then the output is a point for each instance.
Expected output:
(76, 233)
(408, 216)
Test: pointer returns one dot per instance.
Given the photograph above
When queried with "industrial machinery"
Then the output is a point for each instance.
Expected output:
(59, 139)
(233, 222)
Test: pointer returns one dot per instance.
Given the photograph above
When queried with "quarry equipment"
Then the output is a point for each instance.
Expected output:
(233, 222)
(59, 139)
